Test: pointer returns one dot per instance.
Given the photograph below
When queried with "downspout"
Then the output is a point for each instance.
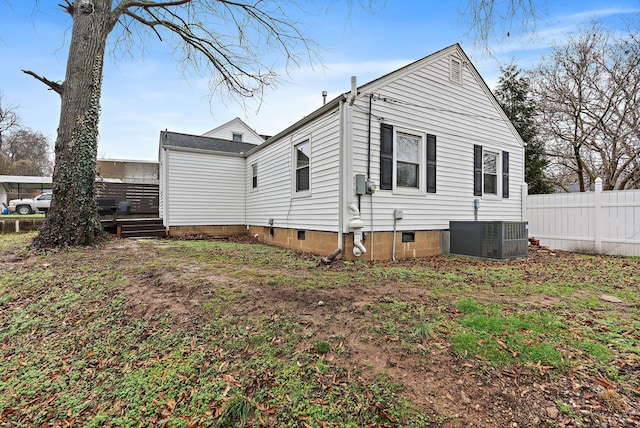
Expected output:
(369, 170)
(355, 224)
(340, 175)
(369, 141)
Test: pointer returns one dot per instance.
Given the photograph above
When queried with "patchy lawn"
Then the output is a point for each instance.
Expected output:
(199, 333)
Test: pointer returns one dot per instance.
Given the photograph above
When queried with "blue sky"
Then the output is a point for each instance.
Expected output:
(144, 94)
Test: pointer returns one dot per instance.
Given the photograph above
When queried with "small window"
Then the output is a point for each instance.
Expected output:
(455, 70)
(408, 237)
(303, 158)
(408, 160)
(301, 235)
(490, 173)
(236, 137)
(254, 175)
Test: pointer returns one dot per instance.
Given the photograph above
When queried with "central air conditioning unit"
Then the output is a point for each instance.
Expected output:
(495, 240)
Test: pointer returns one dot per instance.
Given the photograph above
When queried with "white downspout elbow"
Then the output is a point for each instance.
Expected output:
(356, 224)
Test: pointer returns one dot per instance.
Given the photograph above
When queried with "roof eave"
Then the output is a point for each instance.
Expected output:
(299, 124)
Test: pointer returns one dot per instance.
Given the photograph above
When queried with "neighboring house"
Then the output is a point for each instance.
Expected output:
(377, 172)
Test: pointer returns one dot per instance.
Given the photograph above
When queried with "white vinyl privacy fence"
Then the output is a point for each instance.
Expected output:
(592, 222)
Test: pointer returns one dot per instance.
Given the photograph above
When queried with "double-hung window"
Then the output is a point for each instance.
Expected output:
(254, 175)
(302, 163)
(490, 173)
(488, 166)
(407, 160)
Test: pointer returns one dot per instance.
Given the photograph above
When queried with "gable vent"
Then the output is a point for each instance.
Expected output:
(455, 70)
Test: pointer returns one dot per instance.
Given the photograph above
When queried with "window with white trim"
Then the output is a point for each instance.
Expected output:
(303, 166)
(490, 173)
(408, 160)
(254, 175)
(236, 137)
(488, 167)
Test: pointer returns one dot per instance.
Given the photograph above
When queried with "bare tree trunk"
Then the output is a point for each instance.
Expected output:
(73, 217)
(579, 167)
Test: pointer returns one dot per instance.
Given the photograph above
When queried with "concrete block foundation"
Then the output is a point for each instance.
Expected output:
(379, 245)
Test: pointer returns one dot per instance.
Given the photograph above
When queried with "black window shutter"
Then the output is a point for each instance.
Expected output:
(431, 163)
(386, 156)
(477, 170)
(505, 174)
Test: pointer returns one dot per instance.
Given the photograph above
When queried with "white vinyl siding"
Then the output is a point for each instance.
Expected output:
(205, 189)
(163, 177)
(275, 198)
(424, 99)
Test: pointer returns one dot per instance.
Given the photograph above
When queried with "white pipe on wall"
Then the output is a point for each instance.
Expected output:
(354, 90)
(340, 175)
(357, 225)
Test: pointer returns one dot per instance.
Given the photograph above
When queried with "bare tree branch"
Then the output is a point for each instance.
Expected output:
(588, 98)
(67, 6)
(233, 58)
(54, 86)
(486, 17)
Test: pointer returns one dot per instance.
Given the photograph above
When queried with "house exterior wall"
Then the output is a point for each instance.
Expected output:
(163, 179)
(460, 115)
(204, 189)
(419, 99)
(274, 197)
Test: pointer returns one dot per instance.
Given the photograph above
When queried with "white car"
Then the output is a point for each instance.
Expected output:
(30, 206)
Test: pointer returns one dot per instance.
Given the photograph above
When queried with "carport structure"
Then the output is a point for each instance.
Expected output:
(18, 186)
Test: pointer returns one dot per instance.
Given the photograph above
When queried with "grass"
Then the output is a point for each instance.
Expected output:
(22, 216)
(71, 352)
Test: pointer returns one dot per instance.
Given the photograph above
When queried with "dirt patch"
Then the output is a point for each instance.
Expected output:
(455, 392)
